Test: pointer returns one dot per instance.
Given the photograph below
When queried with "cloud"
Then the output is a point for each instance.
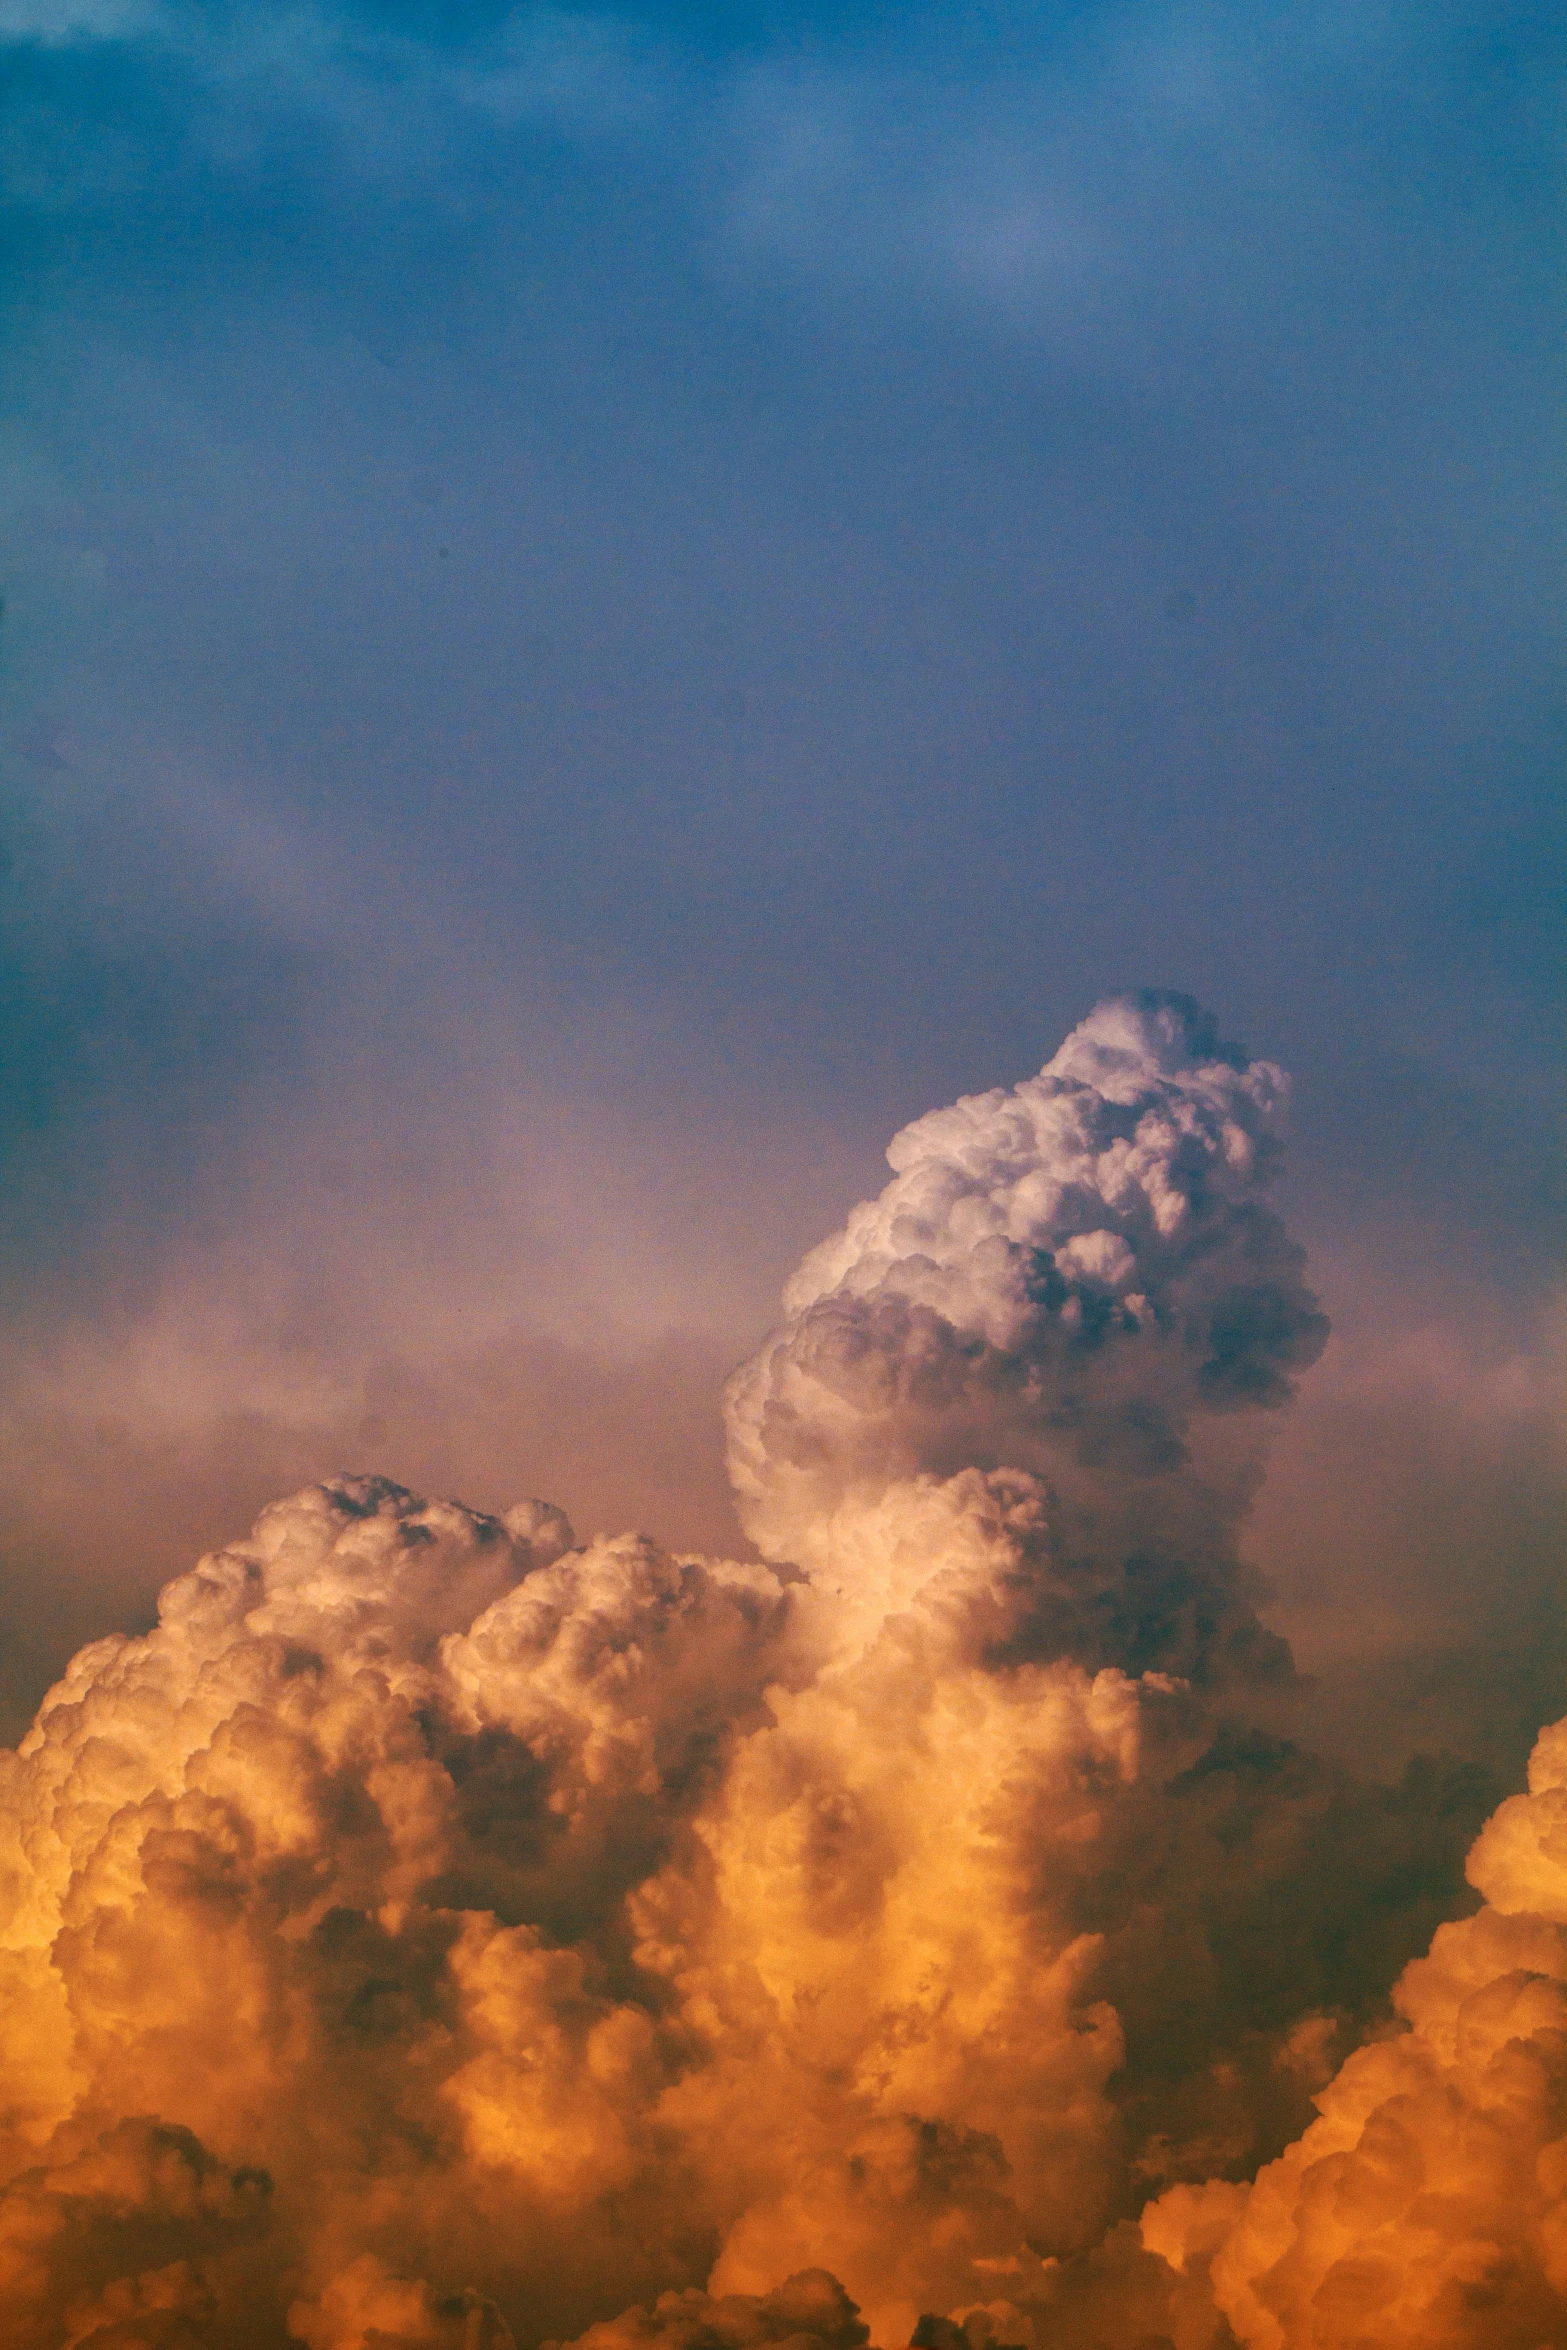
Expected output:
(1080, 1278)
(808, 2312)
(321, 1867)
(370, 2307)
(438, 1930)
(1428, 2203)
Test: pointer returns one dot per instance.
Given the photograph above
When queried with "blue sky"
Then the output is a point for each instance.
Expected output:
(601, 607)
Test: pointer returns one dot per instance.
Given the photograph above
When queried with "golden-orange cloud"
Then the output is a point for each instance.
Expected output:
(437, 1932)
(1426, 2207)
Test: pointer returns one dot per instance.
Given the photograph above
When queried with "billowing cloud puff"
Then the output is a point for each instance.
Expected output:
(1426, 2209)
(1068, 1278)
(555, 1955)
(808, 2312)
(326, 1877)
(437, 1932)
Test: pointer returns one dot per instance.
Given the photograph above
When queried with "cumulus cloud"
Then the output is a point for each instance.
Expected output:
(321, 1870)
(438, 1931)
(808, 2312)
(1427, 2205)
(1080, 1278)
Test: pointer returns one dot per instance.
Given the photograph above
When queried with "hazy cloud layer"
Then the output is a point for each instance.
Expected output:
(736, 569)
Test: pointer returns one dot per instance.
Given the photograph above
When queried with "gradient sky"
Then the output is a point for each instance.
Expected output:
(602, 607)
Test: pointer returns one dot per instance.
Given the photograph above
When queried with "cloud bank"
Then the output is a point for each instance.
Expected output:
(440, 1932)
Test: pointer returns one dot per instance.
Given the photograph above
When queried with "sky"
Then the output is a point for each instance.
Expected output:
(601, 608)
(630, 639)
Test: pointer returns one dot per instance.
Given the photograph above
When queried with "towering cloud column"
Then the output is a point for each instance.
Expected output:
(1007, 1429)
(1080, 1280)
